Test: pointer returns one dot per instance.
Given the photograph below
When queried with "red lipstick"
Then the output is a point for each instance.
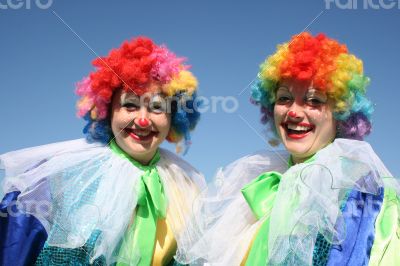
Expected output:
(140, 138)
(297, 134)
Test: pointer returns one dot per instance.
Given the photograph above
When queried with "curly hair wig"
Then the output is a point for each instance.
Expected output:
(139, 66)
(329, 66)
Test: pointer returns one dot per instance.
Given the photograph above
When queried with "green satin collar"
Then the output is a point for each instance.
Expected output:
(137, 247)
(260, 195)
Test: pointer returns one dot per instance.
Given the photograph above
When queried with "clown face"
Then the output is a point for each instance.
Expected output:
(139, 124)
(303, 119)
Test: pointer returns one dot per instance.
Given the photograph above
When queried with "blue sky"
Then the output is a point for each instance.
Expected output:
(225, 41)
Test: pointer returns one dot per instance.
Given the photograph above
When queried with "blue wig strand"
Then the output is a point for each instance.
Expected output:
(359, 102)
(193, 116)
(259, 95)
(186, 117)
(97, 130)
(362, 105)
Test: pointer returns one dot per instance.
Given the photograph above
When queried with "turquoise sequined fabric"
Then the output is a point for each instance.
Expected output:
(52, 256)
(56, 256)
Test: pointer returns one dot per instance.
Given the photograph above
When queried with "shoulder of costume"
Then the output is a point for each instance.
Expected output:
(270, 158)
(221, 210)
(29, 166)
(355, 151)
(173, 158)
(173, 162)
(240, 172)
(350, 161)
(17, 162)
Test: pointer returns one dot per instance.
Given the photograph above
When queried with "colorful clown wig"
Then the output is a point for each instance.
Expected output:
(329, 67)
(139, 66)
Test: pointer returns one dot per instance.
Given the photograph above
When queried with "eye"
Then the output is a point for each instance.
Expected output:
(157, 107)
(314, 101)
(283, 99)
(131, 106)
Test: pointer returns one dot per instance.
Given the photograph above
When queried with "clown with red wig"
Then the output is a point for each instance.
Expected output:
(114, 197)
(327, 199)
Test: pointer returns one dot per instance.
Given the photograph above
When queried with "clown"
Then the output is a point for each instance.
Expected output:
(114, 197)
(327, 199)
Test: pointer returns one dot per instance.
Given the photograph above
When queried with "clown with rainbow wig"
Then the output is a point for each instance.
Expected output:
(327, 199)
(115, 197)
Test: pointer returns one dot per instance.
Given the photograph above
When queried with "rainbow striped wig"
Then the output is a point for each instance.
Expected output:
(140, 66)
(328, 65)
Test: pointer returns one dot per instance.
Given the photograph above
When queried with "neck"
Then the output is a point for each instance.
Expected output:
(297, 160)
(143, 159)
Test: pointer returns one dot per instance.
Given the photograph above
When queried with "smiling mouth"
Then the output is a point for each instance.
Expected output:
(140, 135)
(297, 131)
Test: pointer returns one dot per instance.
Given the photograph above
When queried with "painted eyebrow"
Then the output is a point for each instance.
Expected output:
(316, 93)
(283, 89)
(157, 97)
(129, 98)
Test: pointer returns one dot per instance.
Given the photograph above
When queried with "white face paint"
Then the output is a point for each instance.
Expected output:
(303, 119)
(139, 140)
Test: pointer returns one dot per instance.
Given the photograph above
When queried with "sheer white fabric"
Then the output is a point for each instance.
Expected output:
(307, 202)
(310, 195)
(75, 188)
(224, 225)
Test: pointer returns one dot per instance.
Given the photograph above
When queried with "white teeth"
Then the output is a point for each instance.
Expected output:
(142, 134)
(296, 127)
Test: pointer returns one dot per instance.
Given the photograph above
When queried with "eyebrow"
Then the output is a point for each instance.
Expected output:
(317, 93)
(129, 97)
(157, 97)
(282, 87)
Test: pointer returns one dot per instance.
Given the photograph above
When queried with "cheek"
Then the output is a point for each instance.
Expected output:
(119, 120)
(319, 117)
(325, 122)
(163, 123)
(114, 124)
(124, 117)
(279, 113)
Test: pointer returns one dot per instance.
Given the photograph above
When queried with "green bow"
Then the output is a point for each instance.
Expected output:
(260, 195)
(152, 205)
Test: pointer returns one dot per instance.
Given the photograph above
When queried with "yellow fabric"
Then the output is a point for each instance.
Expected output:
(165, 246)
(386, 248)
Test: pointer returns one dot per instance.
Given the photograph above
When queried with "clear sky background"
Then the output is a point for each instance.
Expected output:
(225, 41)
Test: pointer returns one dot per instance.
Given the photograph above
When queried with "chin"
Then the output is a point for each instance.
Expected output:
(137, 148)
(297, 149)
(299, 152)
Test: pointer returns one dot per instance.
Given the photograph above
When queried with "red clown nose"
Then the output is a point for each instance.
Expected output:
(143, 122)
(292, 114)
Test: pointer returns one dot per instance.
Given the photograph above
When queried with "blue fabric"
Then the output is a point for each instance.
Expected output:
(21, 236)
(360, 213)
